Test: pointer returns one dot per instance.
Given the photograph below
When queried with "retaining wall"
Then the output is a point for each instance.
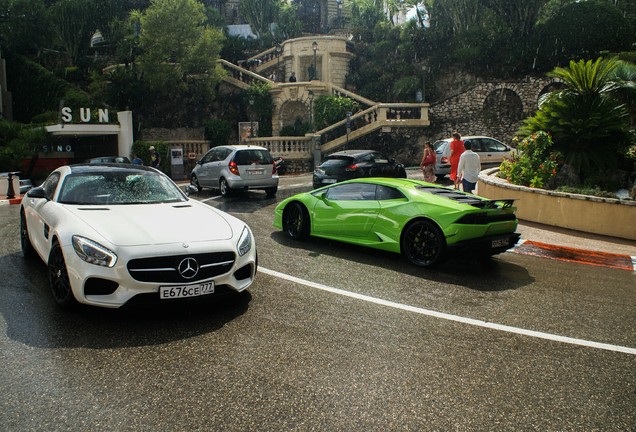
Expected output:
(604, 216)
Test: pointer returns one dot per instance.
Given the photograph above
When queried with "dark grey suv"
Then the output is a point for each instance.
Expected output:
(348, 164)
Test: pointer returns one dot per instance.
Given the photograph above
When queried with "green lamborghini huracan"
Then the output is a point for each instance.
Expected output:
(420, 220)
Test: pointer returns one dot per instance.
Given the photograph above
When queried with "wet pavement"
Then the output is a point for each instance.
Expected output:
(331, 338)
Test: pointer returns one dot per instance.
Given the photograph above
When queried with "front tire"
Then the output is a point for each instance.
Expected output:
(423, 243)
(195, 182)
(296, 221)
(58, 278)
(25, 242)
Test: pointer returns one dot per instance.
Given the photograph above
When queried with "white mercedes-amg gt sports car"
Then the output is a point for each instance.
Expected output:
(112, 233)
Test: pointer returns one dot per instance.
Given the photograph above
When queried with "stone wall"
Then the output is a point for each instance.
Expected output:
(494, 109)
(176, 134)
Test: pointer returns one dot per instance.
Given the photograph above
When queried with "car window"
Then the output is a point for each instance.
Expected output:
(477, 145)
(118, 188)
(50, 184)
(439, 146)
(379, 158)
(208, 157)
(387, 193)
(365, 158)
(494, 146)
(352, 192)
(341, 161)
(253, 157)
(216, 154)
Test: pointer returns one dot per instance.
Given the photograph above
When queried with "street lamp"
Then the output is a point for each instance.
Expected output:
(279, 51)
(311, 109)
(314, 46)
(250, 114)
(339, 3)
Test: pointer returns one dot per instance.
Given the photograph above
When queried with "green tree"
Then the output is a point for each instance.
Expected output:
(519, 16)
(288, 25)
(178, 60)
(588, 124)
(262, 108)
(332, 109)
(260, 14)
(456, 15)
(18, 142)
(575, 32)
(74, 22)
(365, 16)
(24, 25)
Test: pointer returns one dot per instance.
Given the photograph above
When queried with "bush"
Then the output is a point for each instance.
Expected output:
(217, 132)
(535, 165)
(140, 148)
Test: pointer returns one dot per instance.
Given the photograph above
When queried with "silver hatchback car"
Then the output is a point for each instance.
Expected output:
(490, 150)
(236, 167)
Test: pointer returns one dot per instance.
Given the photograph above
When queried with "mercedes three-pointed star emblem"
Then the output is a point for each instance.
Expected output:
(188, 268)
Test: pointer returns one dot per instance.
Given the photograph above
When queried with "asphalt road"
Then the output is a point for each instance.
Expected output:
(329, 338)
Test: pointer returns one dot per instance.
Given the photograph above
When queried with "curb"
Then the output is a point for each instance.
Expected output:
(575, 255)
(11, 201)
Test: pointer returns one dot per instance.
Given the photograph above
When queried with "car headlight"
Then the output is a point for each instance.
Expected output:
(245, 242)
(93, 252)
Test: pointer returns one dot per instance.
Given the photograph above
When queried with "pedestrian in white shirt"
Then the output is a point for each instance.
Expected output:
(469, 167)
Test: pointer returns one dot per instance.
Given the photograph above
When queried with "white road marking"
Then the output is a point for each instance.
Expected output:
(441, 315)
(211, 198)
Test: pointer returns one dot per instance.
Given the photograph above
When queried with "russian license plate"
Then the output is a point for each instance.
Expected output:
(255, 172)
(329, 180)
(184, 291)
(499, 243)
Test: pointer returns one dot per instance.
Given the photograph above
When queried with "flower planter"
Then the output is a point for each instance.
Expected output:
(604, 216)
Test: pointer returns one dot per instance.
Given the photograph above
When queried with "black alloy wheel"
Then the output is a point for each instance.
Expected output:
(296, 221)
(58, 278)
(423, 243)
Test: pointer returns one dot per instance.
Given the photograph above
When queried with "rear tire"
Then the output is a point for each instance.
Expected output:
(58, 278)
(423, 243)
(296, 221)
(224, 187)
(271, 192)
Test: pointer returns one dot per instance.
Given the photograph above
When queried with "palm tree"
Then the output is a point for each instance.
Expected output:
(588, 122)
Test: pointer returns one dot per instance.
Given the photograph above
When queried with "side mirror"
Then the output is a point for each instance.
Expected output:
(37, 192)
(321, 195)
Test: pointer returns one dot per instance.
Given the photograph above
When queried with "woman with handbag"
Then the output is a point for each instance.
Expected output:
(428, 163)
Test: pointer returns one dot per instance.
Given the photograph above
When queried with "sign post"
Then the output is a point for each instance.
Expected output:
(176, 163)
(348, 122)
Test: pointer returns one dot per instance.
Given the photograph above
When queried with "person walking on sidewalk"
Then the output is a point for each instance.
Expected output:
(428, 163)
(456, 149)
(468, 167)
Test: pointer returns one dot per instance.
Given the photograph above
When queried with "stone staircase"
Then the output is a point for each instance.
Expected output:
(373, 117)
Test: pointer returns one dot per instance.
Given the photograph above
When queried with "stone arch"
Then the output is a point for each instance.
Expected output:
(549, 88)
(294, 111)
(503, 103)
